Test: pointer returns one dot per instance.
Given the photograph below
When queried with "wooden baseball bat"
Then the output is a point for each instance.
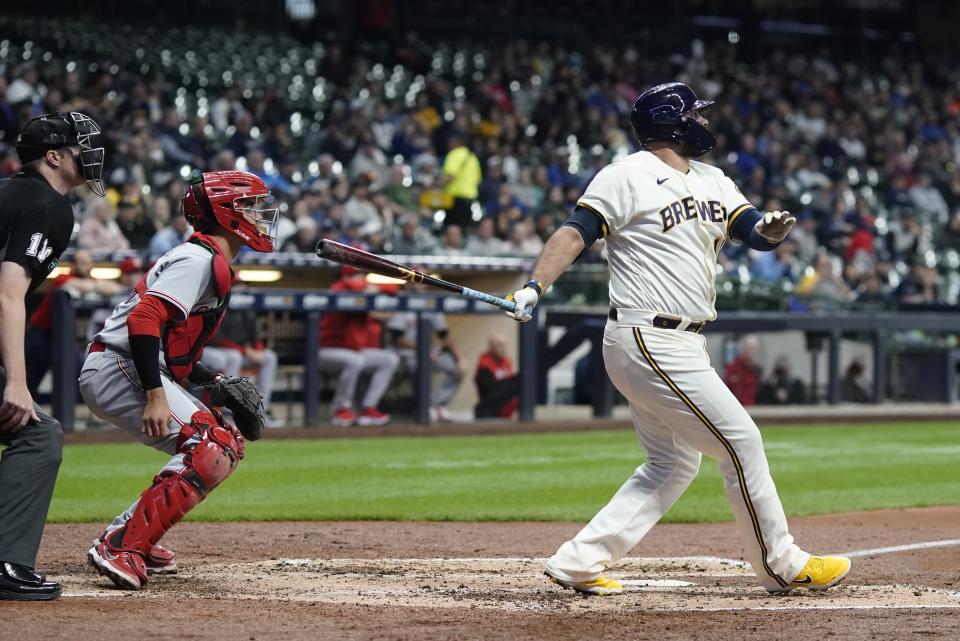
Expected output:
(346, 255)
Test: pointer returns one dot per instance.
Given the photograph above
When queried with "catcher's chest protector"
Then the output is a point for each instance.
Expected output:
(183, 341)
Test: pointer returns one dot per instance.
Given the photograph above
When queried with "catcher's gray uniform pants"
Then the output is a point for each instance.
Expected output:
(230, 362)
(111, 389)
(681, 408)
(350, 363)
(28, 472)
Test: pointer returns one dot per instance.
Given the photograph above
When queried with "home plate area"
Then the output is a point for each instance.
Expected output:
(514, 584)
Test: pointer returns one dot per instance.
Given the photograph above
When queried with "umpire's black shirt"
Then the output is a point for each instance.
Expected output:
(36, 222)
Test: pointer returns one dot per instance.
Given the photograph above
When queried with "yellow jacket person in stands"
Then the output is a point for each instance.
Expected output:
(461, 180)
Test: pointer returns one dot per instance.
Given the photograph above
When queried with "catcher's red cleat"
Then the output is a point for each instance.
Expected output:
(159, 560)
(126, 568)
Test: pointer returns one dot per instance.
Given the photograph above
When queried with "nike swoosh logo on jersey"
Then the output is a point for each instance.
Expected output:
(660, 181)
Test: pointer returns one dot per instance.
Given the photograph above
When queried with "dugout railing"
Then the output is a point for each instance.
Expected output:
(311, 306)
(586, 324)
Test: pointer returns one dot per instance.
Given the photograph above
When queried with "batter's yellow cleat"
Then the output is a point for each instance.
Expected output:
(820, 573)
(600, 586)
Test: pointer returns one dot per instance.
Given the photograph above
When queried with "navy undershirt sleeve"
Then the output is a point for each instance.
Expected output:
(586, 222)
(744, 230)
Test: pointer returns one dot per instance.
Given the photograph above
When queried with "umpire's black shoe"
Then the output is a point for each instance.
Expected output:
(20, 583)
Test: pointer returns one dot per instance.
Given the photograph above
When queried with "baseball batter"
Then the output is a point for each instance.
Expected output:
(150, 346)
(664, 217)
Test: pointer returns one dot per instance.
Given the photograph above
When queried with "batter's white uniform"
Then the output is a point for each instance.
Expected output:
(108, 380)
(663, 230)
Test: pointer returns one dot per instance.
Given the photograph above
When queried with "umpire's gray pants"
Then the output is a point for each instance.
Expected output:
(28, 472)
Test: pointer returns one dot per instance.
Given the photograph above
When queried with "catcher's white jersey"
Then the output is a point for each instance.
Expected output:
(183, 276)
(663, 231)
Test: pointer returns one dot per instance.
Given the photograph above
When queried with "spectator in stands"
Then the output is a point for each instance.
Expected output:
(742, 374)
(906, 240)
(523, 240)
(99, 229)
(351, 343)
(781, 388)
(823, 285)
(775, 266)
(370, 162)
(461, 179)
(871, 296)
(172, 235)
(39, 336)
(176, 146)
(951, 232)
(137, 228)
(920, 286)
(160, 211)
(257, 164)
(359, 208)
(445, 359)
(928, 199)
(398, 190)
(305, 240)
(497, 385)
(854, 386)
(411, 239)
(483, 242)
(452, 244)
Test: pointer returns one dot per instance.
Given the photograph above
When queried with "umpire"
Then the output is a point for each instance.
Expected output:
(59, 151)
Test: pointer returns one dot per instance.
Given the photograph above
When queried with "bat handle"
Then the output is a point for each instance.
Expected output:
(502, 303)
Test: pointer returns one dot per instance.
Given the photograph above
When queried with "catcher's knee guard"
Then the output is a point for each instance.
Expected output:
(211, 451)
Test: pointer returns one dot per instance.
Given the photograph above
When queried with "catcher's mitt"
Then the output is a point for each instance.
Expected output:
(241, 397)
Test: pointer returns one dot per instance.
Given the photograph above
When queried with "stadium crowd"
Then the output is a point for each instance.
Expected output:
(420, 149)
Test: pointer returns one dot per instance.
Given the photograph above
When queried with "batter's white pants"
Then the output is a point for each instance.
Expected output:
(230, 362)
(111, 389)
(681, 408)
(350, 363)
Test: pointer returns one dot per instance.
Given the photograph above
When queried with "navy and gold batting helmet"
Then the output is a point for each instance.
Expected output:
(663, 113)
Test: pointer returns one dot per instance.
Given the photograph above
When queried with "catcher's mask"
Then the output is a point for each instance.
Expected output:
(235, 200)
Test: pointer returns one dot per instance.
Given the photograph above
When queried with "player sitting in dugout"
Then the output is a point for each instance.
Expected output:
(497, 384)
(136, 371)
(446, 362)
(352, 343)
(236, 347)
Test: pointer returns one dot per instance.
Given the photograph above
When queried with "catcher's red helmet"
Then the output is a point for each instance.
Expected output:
(234, 200)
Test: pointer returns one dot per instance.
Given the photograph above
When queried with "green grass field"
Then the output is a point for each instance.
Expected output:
(541, 477)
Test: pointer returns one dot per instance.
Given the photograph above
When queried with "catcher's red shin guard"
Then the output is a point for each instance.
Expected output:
(212, 449)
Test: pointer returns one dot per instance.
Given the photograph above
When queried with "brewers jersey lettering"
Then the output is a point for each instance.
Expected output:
(664, 230)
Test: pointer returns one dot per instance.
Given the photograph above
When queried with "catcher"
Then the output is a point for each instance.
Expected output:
(149, 348)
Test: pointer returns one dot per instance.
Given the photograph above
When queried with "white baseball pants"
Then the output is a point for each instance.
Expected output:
(681, 408)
